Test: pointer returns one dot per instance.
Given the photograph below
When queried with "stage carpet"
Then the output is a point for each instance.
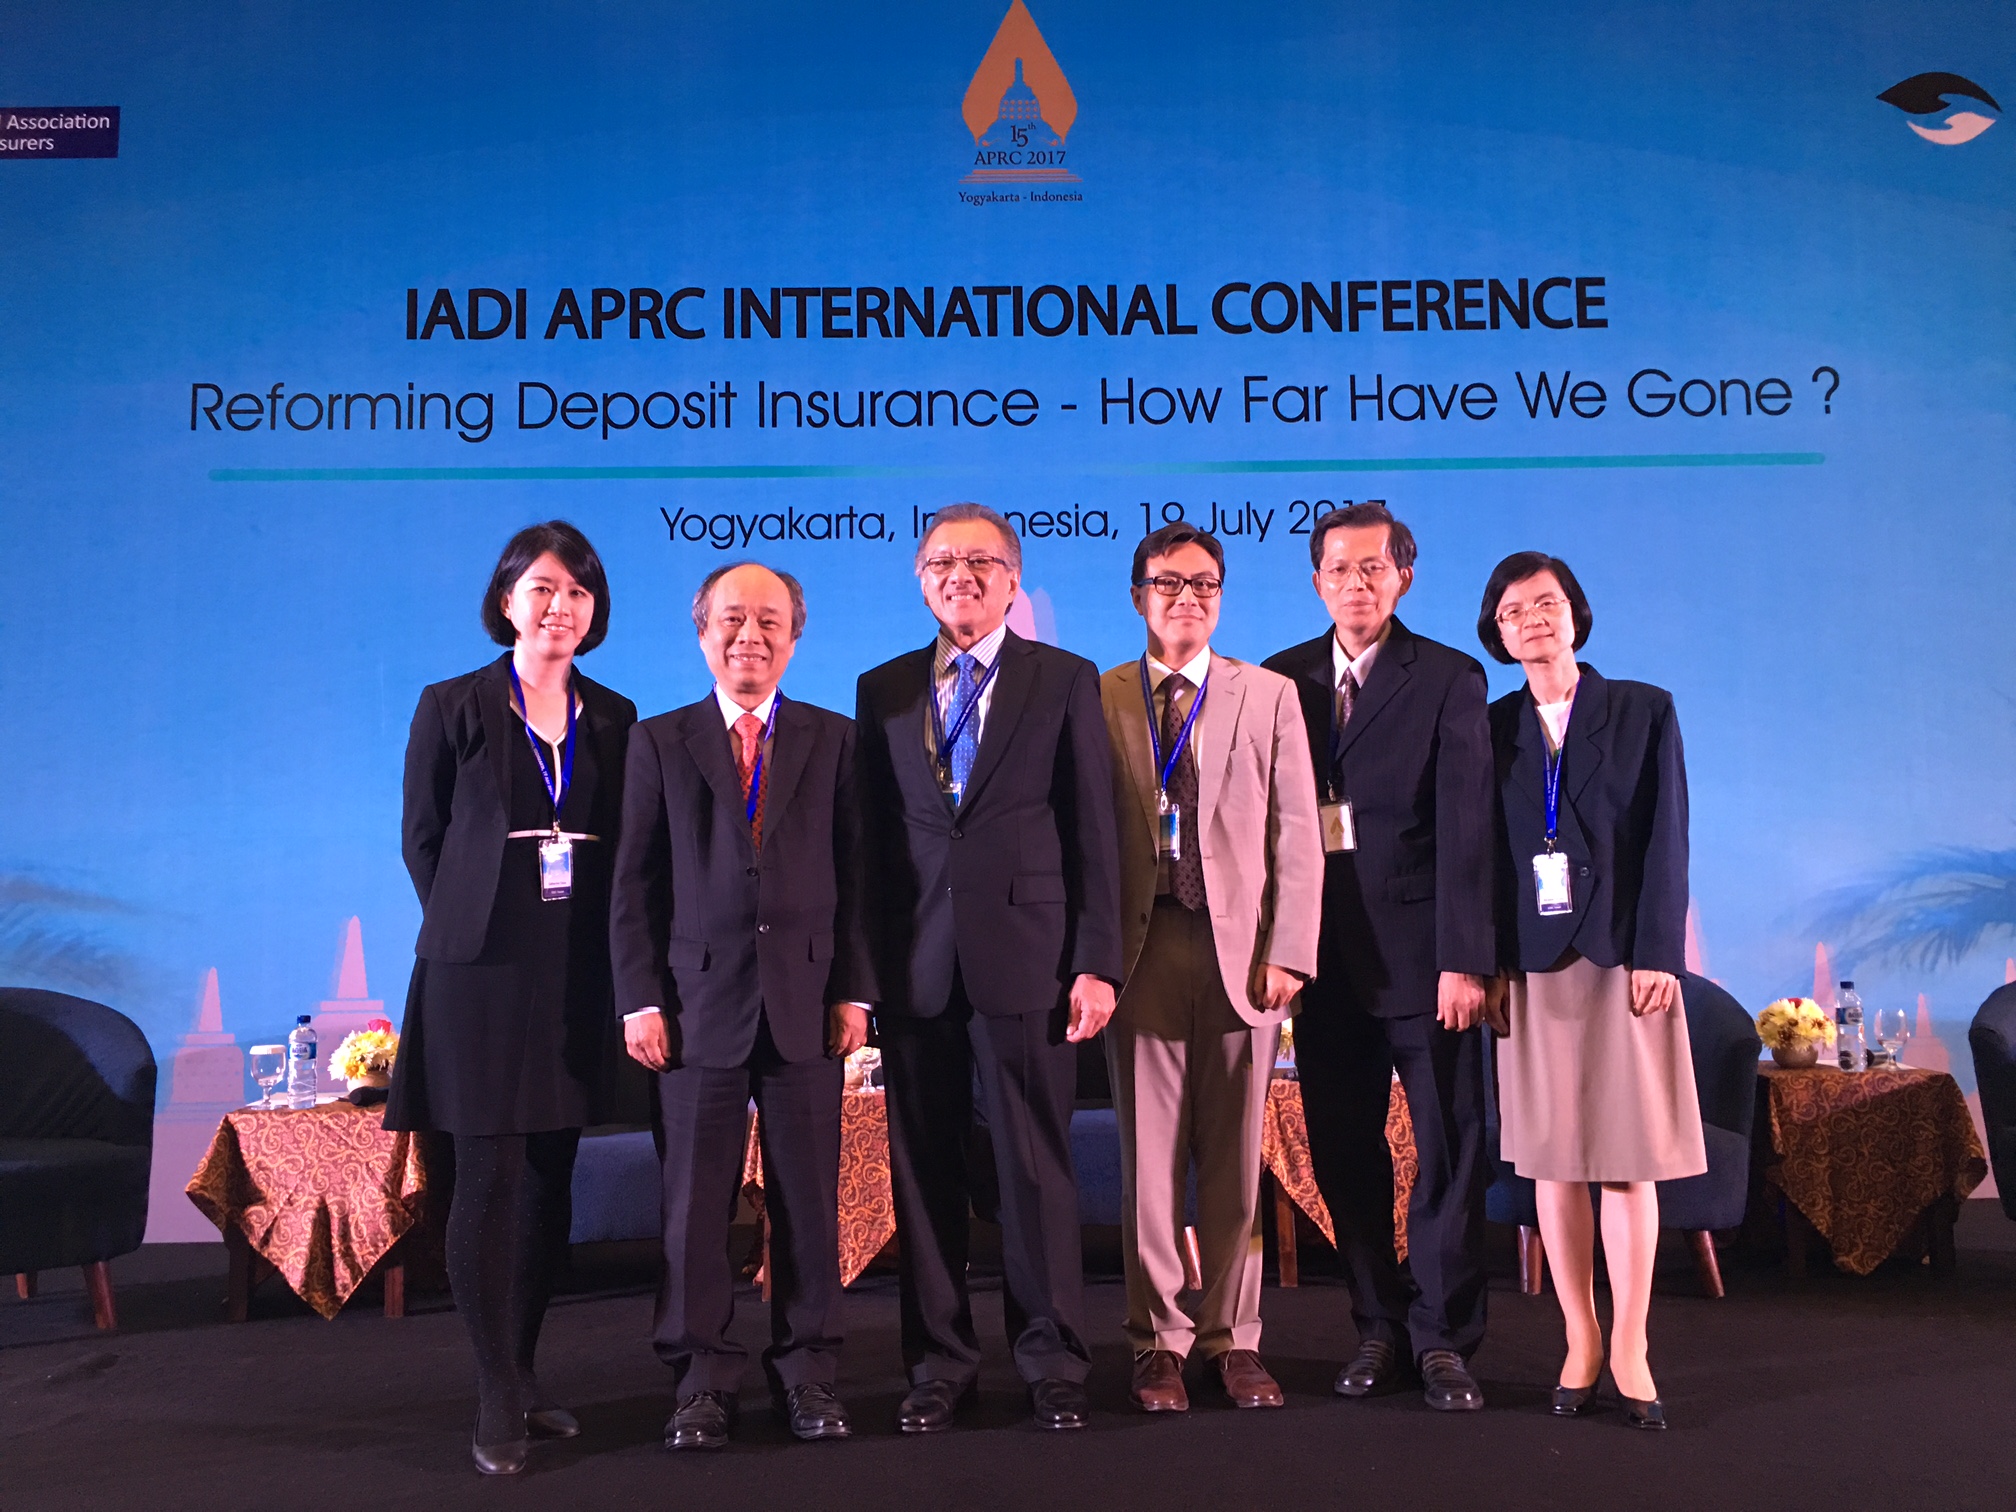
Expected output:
(1888, 1391)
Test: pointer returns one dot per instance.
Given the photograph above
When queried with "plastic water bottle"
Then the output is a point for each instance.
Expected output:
(1848, 1042)
(301, 1064)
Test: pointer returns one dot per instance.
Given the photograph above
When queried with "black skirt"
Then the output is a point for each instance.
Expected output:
(522, 1039)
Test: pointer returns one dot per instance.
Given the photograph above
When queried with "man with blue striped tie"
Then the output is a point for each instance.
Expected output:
(990, 853)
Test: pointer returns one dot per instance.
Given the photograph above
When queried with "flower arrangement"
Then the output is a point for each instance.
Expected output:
(1791, 1024)
(366, 1054)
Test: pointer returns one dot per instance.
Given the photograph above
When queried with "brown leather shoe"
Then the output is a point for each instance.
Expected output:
(1158, 1382)
(1247, 1381)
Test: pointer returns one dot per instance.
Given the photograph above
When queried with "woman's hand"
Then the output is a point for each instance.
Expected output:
(1653, 992)
(1497, 998)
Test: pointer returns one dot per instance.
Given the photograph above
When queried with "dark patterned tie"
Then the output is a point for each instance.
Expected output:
(1347, 698)
(1186, 873)
(749, 732)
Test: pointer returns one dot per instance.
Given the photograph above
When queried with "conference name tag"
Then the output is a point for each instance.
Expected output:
(556, 869)
(1340, 829)
(1168, 829)
(1550, 883)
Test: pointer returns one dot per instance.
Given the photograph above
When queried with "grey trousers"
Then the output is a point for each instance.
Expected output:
(1189, 1084)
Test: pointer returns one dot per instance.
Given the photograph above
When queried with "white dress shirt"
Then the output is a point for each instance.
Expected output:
(1554, 719)
(1360, 666)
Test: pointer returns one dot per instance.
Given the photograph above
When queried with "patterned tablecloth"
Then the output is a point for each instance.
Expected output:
(867, 1205)
(1863, 1155)
(1284, 1147)
(321, 1193)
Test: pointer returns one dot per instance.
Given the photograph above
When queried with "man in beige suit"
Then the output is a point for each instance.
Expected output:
(1221, 876)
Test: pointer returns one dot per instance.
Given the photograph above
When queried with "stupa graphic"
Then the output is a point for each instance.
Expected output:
(1019, 109)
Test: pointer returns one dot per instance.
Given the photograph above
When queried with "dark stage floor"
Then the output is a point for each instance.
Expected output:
(1890, 1391)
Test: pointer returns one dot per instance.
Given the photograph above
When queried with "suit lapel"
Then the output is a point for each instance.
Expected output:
(1135, 749)
(500, 728)
(1216, 724)
(790, 751)
(1314, 686)
(1004, 710)
(909, 728)
(1529, 754)
(1392, 670)
(707, 738)
(1590, 714)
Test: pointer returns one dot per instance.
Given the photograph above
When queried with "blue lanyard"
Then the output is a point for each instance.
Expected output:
(1553, 770)
(557, 791)
(1164, 768)
(945, 738)
(756, 767)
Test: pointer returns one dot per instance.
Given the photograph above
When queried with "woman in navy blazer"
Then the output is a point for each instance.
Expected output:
(508, 1038)
(1596, 1083)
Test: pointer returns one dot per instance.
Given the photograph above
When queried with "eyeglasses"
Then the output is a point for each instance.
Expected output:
(1171, 585)
(1369, 573)
(979, 564)
(1547, 606)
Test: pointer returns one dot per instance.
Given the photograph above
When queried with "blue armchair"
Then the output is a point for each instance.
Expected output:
(1992, 1038)
(1725, 1050)
(76, 1139)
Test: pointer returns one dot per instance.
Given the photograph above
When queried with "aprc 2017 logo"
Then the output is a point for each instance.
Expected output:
(1019, 109)
(1926, 95)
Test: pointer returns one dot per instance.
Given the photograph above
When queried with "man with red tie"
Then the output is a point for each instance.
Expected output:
(741, 973)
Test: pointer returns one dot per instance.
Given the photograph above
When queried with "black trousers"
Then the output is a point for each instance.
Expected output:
(1346, 1059)
(1027, 1076)
(705, 1118)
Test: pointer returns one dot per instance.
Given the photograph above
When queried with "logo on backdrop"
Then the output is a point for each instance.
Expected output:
(1019, 109)
(1926, 95)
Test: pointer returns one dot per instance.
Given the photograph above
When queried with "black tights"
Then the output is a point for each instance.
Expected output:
(507, 1240)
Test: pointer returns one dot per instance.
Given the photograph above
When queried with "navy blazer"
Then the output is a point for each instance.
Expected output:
(1020, 887)
(458, 794)
(1415, 899)
(1622, 822)
(709, 929)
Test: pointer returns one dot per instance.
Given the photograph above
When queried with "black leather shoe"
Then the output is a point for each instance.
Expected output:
(1573, 1401)
(701, 1421)
(1374, 1368)
(551, 1423)
(930, 1405)
(812, 1412)
(1446, 1382)
(507, 1458)
(1059, 1404)
(1651, 1415)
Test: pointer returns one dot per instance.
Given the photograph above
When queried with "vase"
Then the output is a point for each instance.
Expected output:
(379, 1079)
(1799, 1057)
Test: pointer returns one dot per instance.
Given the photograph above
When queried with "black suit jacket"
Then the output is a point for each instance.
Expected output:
(1622, 822)
(715, 933)
(1020, 888)
(458, 797)
(1415, 899)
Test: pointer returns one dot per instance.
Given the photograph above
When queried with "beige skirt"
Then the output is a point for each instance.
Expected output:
(1586, 1092)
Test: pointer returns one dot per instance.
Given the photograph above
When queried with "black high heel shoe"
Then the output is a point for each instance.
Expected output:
(1573, 1401)
(507, 1458)
(1649, 1415)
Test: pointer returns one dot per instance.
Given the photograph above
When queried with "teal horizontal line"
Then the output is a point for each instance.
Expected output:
(1122, 469)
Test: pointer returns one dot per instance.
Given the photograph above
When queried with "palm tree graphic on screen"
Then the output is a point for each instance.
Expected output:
(1929, 910)
(1019, 108)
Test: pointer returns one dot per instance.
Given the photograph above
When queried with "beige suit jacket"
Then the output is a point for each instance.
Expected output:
(1262, 849)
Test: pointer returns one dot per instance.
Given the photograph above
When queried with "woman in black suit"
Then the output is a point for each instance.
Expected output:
(513, 787)
(1595, 1081)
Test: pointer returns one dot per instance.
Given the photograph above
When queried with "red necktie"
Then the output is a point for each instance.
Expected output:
(749, 730)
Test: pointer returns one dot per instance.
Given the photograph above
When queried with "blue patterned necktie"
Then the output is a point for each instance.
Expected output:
(967, 746)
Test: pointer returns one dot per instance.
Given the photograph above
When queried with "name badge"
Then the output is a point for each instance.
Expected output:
(556, 869)
(1168, 829)
(1550, 883)
(1340, 829)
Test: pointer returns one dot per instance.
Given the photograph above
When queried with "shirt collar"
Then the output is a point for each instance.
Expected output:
(732, 711)
(984, 651)
(1195, 669)
(1360, 667)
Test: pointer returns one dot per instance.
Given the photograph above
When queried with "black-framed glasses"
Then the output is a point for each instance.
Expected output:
(979, 563)
(1171, 585)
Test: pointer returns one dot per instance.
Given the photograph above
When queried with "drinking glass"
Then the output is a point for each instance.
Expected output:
(1892, 1029)
(269, 1064)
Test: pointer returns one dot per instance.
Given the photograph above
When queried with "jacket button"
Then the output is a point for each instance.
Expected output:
(752, 871)
(958, 834)
(1581, 871)
(762, 929)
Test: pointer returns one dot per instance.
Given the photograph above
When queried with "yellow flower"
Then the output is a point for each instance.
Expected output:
(364, 1051)
(1791, 1022)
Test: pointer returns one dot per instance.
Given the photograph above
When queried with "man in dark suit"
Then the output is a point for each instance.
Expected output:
(1404, 775)
(741, 972)
(988, 836)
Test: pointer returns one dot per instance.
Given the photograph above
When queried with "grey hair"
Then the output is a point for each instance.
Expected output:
(703, 598)
(952, 514)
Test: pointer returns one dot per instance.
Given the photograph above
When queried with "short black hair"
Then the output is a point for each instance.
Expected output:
(525, 548)
(1516, 568)
(1168, 538)
(703, 597)
(1399, 539)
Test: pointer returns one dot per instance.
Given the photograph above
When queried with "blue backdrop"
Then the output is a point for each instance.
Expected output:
(220, 616)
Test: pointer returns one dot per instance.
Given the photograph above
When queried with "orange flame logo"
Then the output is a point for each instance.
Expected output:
(1018, 40)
